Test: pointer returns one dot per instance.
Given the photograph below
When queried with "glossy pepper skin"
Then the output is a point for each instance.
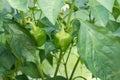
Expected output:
(62, 40)
(40, 36)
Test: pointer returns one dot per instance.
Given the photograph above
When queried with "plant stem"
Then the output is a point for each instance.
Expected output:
(40, 15)
(66, 73)
(65, 64)
(33, 25)
(59, 22)
(74, 68)
(35, 2)
(90, 19)
(39, 66)
(79, 77)
(69, 53)
(33, 13)
(70, 14)
(22, 14)
(58, 64)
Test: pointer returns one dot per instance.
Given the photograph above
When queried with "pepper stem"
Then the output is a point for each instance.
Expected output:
(32, 24)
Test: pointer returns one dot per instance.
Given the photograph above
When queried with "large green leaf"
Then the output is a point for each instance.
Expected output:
(4, 6)
(6, 59)
(30, 69)
(19, 4)
(19, 40)
(51, 8)
(21, 77)
(100, 14)
(47, 23)
(100, 51)
(108, 4)
(113, 25)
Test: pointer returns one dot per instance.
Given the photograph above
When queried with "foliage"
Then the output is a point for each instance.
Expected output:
(32, 31)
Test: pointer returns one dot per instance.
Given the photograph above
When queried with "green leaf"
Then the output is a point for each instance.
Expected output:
(100, 14)
(57, 78)
(51, 8)
(4, 6)
(112, 25)
(80, 4)
(108, 4)
(116, 10)
(117, 32)
(49, 58)
(19, 40)
(6, 59)
(30, 69)
(21, 77)
(49, 47)
(42, 55)
(45, 54)
(100, 51)
(2, 35)
(19, 4)
(76, 27)
(82, 14)
(46, 22)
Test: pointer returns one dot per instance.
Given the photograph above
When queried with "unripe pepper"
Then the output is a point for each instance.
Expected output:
(62, 40)
(40, 36)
